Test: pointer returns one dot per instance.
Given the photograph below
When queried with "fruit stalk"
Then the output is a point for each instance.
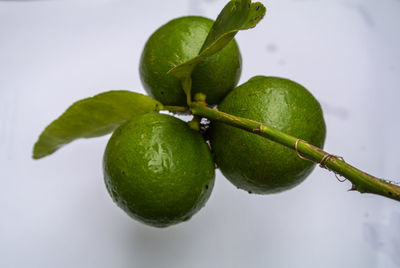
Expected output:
(361, 181)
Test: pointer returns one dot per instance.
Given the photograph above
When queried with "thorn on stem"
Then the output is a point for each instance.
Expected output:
(353, 188)
(258, 129)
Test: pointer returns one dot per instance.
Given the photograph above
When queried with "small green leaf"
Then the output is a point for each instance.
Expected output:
(93, 117)
(236, 15)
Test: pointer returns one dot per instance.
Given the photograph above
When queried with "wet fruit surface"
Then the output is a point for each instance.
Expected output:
(176, 42)
(254, 163)
(158, 170)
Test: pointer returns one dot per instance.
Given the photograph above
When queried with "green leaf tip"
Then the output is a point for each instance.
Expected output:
(235, 16)
(93, 117)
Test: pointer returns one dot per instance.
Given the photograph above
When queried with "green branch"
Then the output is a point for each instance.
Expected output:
(174, 108)
(362, 182)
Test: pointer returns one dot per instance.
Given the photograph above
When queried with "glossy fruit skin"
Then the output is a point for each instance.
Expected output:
(254, 163)
(176, 42)
(158, 170)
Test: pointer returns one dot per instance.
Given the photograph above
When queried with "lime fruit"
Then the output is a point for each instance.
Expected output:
(254, 163)
(158, 170)
(176, 42)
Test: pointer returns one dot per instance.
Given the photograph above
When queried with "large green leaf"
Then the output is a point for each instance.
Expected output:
(93, 117)
(236, 15)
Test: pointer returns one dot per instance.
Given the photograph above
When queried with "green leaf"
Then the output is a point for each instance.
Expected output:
(236, 15)
(93, 117)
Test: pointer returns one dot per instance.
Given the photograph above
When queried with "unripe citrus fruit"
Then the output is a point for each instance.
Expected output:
(254, 163)
(176, 42)
(158, 170)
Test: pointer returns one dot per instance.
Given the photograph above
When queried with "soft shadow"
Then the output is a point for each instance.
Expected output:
(385, 238)
(154, 247)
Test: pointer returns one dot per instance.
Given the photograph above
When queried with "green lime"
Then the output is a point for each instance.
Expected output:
(158, 170)
(176, 42)
(254, 163)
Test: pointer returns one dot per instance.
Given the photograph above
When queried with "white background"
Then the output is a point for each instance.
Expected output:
(56, 212)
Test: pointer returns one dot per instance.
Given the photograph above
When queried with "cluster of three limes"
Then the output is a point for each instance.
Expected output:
(161, 172)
